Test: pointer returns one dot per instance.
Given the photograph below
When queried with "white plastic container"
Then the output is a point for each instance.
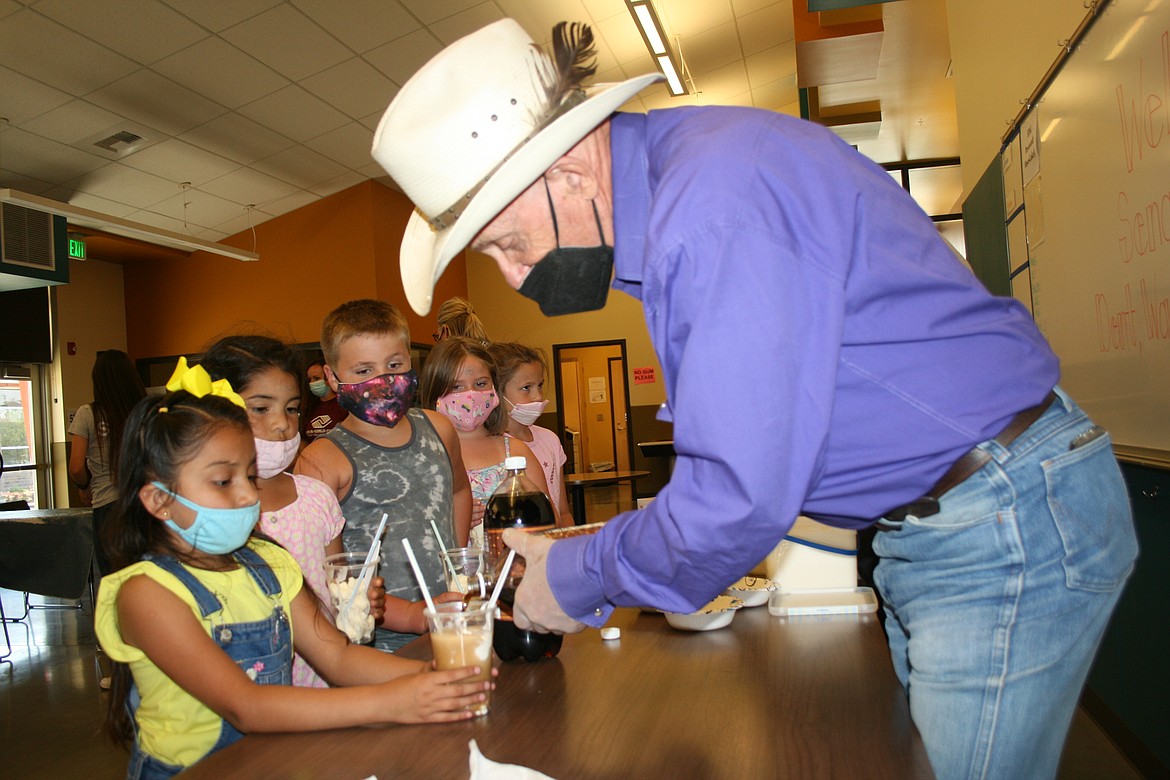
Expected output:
(826, 601)
(814, 556)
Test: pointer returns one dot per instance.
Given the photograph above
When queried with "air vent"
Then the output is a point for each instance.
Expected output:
(120, 143)
(27, 237)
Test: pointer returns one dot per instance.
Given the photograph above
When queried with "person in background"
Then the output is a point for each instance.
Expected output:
(96, 437)
(822, 353)
(459, 381)
(387, 457)
(457, 318)
(299, 513)
(203, 619)
(324, 411)
(520, 371)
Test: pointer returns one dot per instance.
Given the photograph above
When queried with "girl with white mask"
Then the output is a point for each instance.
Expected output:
(298, 512)
(520, 370)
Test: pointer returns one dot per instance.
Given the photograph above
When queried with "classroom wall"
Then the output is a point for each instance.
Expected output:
(1000, 49)
(509, 316)
(311, 259)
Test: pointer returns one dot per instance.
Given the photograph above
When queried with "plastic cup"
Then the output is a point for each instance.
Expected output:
(463, 637)
(461, 566)
(345, 572)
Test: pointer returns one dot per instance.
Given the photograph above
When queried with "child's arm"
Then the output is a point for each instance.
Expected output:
(460, 488)
(407, 616)
(323, 461)
(157, 622)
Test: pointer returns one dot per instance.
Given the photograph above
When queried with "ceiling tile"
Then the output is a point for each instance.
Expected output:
(466, 22)
(245, 222)
(237, 138)
(337, 184)
(623, 39)
(126, 185)
(429, 11)
(19, 181)
(197, 209)
(711, 49)
(539, 18)
(154, 219)
(9, 7)
(179, 161)
(360, 24)
(216, 69)
(287, 41)
(47, 160)
(147, 97)
(774, 63)
(354, 87)
(86, 200)
(765, 28)
(71, 122)
(723, 83)
(295, 112)
(78, 65)
(157, 29)
(348, 145)
(371, 121)
(745, 7)
(244, 185)
(604, 9)
(294, 201)
(400, 58)
(777, 94)
(219, 16)
(22, 98)
(692, 17)
(300, 167)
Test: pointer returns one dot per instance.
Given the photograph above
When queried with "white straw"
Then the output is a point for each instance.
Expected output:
(375, 549)
(418, 574)
(450, 566)
(500, 582)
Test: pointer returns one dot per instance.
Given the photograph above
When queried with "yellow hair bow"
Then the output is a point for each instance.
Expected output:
(196, 381)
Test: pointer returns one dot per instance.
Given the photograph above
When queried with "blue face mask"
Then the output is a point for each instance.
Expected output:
(215, 531)
(319, 388)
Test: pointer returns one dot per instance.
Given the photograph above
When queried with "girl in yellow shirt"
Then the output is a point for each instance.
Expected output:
(203, 621)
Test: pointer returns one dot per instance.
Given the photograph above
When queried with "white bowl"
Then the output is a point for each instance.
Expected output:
(715, 614)
(752, 591)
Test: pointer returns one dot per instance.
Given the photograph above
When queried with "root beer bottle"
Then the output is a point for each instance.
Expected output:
(516, 503)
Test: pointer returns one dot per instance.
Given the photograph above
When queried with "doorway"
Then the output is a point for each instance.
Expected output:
(593, 409)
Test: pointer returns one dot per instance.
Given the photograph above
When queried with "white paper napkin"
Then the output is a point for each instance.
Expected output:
(485, 769)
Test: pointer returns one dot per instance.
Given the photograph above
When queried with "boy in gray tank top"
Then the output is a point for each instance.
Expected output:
(389, 458)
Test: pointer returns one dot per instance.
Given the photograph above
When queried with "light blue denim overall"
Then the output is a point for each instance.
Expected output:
(264, 646)
(995, 606)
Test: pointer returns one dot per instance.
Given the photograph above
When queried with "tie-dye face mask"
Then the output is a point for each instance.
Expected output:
(382, 400)
(468, 410)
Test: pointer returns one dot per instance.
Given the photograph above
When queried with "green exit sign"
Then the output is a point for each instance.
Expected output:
(77, 248)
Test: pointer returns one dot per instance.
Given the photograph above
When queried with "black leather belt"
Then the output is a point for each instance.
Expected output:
(967, 465)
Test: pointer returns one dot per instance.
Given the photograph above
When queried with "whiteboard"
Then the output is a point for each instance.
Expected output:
(1098, 221)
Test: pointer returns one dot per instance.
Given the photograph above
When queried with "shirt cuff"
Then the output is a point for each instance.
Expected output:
(573, 585)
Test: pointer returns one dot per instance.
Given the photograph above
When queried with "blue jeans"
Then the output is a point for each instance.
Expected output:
(996, 605)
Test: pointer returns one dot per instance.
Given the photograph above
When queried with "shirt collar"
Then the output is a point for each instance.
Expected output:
(631, 200)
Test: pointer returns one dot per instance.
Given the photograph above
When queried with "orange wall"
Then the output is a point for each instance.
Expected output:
(342, 247)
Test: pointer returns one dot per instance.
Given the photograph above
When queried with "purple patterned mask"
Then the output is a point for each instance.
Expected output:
(468, 410)
(382, 400)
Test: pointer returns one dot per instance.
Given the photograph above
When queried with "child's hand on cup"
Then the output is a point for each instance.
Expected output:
(377, 596)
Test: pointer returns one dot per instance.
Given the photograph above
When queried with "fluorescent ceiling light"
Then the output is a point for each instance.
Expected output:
(656, 42)
(123, 227)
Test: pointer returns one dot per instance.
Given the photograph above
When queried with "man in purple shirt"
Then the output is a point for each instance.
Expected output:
(823, 352)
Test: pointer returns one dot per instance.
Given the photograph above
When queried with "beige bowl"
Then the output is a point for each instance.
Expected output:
(752, 591)
(714, 614)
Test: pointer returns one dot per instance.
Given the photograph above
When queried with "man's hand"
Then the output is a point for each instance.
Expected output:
(536, 608)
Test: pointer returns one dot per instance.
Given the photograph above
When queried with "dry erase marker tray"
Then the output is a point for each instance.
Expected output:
(827, 601)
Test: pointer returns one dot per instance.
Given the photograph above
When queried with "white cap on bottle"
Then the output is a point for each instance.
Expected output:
(515, 463)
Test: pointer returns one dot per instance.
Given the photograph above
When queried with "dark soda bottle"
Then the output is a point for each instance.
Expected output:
(516, 503)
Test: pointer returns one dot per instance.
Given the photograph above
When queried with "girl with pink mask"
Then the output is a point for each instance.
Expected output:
(298, 512)
(459, 380)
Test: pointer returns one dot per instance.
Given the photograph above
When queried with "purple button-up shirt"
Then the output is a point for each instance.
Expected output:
(823, 350)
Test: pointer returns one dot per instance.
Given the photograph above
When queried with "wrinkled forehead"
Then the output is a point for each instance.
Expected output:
(527, 214)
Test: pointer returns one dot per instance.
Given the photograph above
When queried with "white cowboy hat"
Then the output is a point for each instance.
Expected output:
(469, 132)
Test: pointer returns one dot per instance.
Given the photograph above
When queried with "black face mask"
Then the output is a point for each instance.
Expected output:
(571, 279)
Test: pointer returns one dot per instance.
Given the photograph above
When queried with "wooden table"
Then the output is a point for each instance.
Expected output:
(764, 698)
(576, 483)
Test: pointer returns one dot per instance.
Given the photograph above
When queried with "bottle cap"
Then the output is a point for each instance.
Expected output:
(515, 463)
